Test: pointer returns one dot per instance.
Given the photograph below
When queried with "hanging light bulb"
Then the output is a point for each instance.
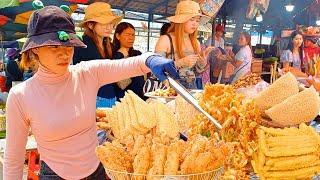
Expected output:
(289, 7)
(259, 17)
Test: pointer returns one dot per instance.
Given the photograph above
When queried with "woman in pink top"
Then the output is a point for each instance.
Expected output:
(58, 102)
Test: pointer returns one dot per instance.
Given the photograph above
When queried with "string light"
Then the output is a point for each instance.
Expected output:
(289, 7)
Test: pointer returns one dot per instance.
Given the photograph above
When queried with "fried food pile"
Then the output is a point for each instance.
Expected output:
(161, 155)
(285, 105)
(289, 153)
(247, 81)
(279, 91)
(133, 116)
(168, 92)
(184, 112)
(240, 118)
(103, 117)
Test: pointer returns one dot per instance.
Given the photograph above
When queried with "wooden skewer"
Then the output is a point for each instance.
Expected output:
(274, 72)
(271, 71)
(315, 71)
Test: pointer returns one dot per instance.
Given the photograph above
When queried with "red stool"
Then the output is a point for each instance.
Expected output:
(33, 165)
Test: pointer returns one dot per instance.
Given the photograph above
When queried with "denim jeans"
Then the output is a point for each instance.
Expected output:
(48, 174)
(199, 83)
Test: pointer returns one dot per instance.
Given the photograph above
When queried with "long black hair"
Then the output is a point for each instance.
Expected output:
(119, 29)
(290, 46)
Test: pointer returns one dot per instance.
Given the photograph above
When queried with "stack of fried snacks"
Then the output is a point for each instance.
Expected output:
(169, 92)
(300, 108)
(159, 155)
(290, 153)
(184, 112)
(285, 106)
(280, 90)
(133, 116)
(240, 118)
(103, 117)
(166, 121)
(247, 81)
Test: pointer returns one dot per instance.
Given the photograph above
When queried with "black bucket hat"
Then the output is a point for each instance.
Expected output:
(51, 26)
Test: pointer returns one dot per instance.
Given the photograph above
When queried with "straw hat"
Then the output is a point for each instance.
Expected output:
(186, 10)
(100, 12)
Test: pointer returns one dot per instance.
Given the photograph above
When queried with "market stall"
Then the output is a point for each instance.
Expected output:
(265, 132)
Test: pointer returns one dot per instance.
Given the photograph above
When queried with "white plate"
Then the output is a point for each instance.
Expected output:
(103, 108)
(151, 95)
(192, 92)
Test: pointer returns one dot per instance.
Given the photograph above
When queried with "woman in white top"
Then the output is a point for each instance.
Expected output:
(292, 57)
(242, 60)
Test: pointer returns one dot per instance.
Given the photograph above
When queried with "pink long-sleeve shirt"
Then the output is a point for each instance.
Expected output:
(61, 113)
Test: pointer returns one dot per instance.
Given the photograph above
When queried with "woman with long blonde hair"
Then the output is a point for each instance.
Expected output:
(181, 44)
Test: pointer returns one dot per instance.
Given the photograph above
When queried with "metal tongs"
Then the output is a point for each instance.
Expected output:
(190, 99)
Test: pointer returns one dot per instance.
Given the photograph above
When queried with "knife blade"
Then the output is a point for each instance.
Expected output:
(190, 99)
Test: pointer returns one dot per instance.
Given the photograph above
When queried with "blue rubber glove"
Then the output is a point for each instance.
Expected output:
(159, 66)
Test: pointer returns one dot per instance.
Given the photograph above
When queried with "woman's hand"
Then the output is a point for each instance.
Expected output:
(313, 83)
(207, 51)
(161, 66)
(203, 56)
(188, 61)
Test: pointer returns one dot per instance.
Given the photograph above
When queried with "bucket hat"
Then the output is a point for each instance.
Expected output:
(100, 12)
(51, 26)
(186, 10)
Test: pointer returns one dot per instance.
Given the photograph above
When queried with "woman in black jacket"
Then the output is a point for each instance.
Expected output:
(123, 41)
(98, 23)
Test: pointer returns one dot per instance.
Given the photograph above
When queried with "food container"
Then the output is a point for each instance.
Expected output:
(211, 175)
(2, 122)
(256, 66)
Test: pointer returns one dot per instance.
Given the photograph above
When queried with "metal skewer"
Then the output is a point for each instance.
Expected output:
(190, 99)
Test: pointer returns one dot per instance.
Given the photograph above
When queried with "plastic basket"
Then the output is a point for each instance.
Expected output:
(210, 175)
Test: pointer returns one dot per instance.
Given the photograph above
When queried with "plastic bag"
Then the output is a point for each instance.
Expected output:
(210, 7)
(252, 9)
(255, 6)
(253, 91)
(262, 5)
